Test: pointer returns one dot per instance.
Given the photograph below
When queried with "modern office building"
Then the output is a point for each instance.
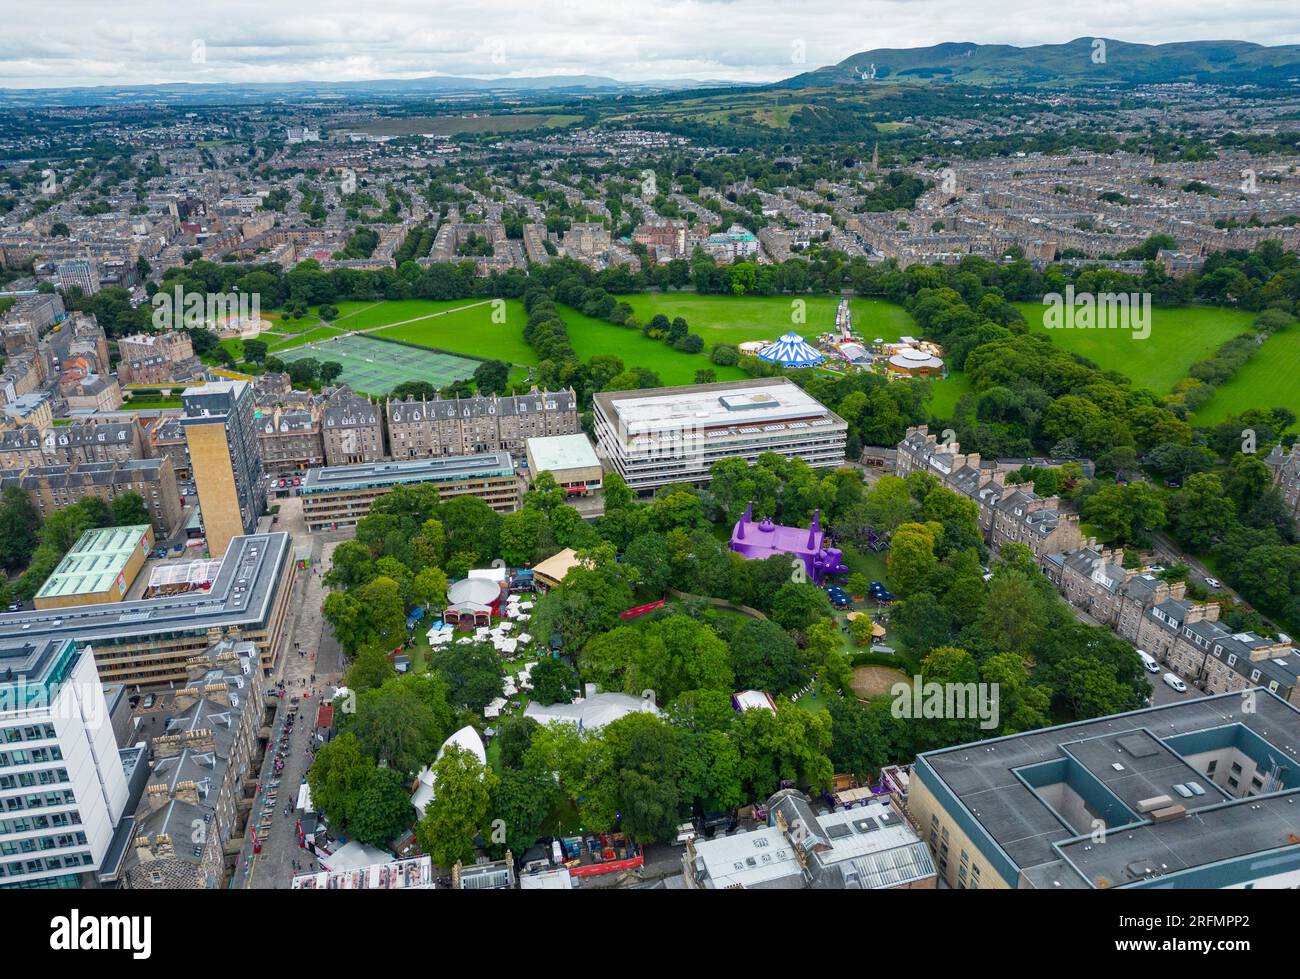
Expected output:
(568, 458)
(63, 785)
(80, 273)
(100, 567)
(1198, 794)
(222, 440)
(149, 642)
(659, 436)
(339, 496)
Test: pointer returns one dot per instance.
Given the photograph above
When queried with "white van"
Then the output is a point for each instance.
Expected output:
(1148, 661)
(1176, 683)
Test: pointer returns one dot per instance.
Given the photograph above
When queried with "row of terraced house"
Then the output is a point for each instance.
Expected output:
(1152, 614)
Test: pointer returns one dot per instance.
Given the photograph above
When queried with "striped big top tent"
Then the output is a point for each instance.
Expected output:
(791, 351)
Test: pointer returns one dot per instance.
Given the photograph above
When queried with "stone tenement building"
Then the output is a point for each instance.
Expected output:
(200, 763)
(1189, 638)
(352, 428)
(1094, 579)
(1285, 467)
(164, 438)
(80, 442)
(161, 358)
(289, 438)
(52, 488)
(1007, 512)
(466, 426)
(1156, 617)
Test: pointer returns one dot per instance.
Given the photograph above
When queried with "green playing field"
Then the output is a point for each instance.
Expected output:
(377, 366)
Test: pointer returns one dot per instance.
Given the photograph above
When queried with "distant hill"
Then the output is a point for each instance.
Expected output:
(1071, 64)
(226, 93)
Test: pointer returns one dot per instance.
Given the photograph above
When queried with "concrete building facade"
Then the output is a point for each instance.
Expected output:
(228, 474)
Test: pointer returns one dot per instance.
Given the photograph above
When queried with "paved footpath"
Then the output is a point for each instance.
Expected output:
(309, 648)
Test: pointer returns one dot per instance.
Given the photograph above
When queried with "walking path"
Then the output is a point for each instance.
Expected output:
(310, 661)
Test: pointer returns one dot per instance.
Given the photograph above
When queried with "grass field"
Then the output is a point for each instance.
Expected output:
(592, 336)
(152, 401)
(463, 326)
(945, 393)
(1267, 380)
(1180, 336)
(310, 335)
(731, 319)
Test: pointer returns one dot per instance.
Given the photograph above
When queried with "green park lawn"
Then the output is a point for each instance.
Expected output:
(1180, 336)
(861, 560)
(591, 337)
(945, 392)
(736, 319)
(461, 327)
(464, 326)
(310, 334)
(367, 316)
(1267, 380)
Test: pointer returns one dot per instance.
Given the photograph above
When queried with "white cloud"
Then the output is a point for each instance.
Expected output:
(98, 42)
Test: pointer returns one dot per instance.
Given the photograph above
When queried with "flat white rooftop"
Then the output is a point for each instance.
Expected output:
(559, 452)
(763, 401)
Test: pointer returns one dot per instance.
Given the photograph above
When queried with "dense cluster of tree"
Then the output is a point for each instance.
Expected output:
(645, 772)
(26, 540)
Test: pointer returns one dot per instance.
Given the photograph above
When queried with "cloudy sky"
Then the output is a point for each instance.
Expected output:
(115, 42)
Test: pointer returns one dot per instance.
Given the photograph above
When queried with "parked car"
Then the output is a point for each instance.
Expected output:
(1175, 683)
(1148, 661)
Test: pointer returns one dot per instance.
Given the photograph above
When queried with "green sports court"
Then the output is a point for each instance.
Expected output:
(377, 366)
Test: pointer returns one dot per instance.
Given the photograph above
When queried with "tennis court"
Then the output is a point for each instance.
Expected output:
(378, 366)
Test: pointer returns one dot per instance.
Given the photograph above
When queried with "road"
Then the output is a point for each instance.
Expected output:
(308, 649)
(1170, 554)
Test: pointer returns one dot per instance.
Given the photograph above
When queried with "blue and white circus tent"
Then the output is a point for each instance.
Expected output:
(791, 351)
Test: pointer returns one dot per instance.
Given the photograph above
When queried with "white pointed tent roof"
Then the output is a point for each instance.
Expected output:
(791, 351)
(467, 739)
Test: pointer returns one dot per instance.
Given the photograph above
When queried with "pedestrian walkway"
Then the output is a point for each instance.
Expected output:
(309, 664)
